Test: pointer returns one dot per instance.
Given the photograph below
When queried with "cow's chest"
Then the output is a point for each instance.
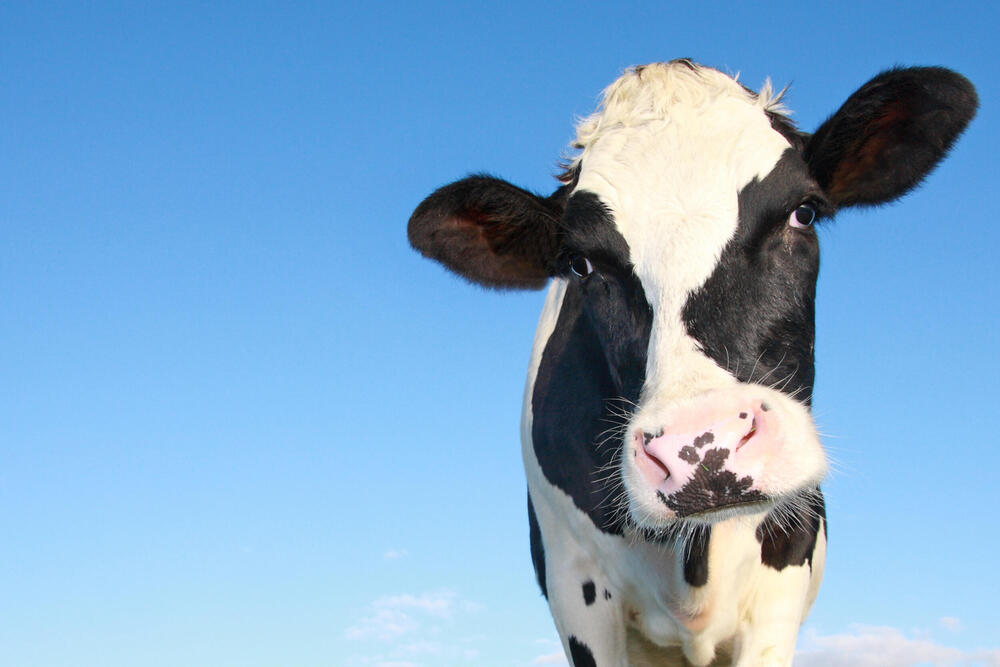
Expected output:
(663, 605)
(649, 583)
(596, 580)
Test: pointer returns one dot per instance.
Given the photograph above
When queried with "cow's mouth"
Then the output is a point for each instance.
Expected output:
(711, 487)
(726, 510)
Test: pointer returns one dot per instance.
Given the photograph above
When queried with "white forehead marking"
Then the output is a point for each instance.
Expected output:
(668, 151)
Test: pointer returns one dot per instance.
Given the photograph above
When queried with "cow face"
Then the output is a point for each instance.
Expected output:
(685, 259)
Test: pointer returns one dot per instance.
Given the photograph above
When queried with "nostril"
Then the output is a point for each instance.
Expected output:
(642, 440)
(659, 464)
(748, 435)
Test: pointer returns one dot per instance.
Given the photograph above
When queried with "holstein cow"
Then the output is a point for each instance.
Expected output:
(672, 462)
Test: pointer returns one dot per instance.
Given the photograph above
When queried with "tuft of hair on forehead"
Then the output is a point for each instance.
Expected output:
(645, 93)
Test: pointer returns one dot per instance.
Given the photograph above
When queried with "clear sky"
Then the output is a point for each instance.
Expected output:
(242, 423)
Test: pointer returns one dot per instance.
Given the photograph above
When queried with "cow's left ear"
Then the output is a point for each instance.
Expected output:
(890, 134)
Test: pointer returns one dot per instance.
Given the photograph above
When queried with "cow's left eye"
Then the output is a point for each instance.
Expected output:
(802, 217)
(581, 266)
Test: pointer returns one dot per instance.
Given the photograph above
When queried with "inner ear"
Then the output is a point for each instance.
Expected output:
(890, 134)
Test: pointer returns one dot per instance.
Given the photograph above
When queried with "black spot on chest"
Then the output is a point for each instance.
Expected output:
(589, 593)
(696, 557)
(580, 653)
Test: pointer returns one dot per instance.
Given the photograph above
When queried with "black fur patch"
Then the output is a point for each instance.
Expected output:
(755, 314)
(580, 653)
(537, 548)
(589, 593)
(595, 357)
(607, 594)
(696, 556)
(793, 542)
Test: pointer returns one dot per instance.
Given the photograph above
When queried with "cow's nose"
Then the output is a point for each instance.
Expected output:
(700, 444)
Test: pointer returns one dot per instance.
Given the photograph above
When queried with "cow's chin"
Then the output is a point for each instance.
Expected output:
(745, 451)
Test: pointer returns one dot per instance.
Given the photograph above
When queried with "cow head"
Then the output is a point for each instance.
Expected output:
(683, 246)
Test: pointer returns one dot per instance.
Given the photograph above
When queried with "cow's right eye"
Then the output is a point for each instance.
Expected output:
(803, 216)
(581, 266)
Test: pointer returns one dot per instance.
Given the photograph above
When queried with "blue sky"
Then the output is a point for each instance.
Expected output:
(242, 423)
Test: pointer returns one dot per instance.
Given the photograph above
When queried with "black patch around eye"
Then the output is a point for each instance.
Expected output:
(587, 228)
(754, 316)
(785, 197)
(594, 360)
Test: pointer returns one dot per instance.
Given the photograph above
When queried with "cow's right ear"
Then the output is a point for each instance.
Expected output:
(890, 134)
(490, 232)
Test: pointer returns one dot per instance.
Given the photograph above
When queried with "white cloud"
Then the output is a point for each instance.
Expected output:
(395, 554)
(423, 647)
(438, 648)
(411, 629)
(382, 625)
(393, 616)
(440, 603)
(951, 623)
(880, 646)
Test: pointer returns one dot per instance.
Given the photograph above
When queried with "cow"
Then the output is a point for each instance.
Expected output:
(673, 467)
